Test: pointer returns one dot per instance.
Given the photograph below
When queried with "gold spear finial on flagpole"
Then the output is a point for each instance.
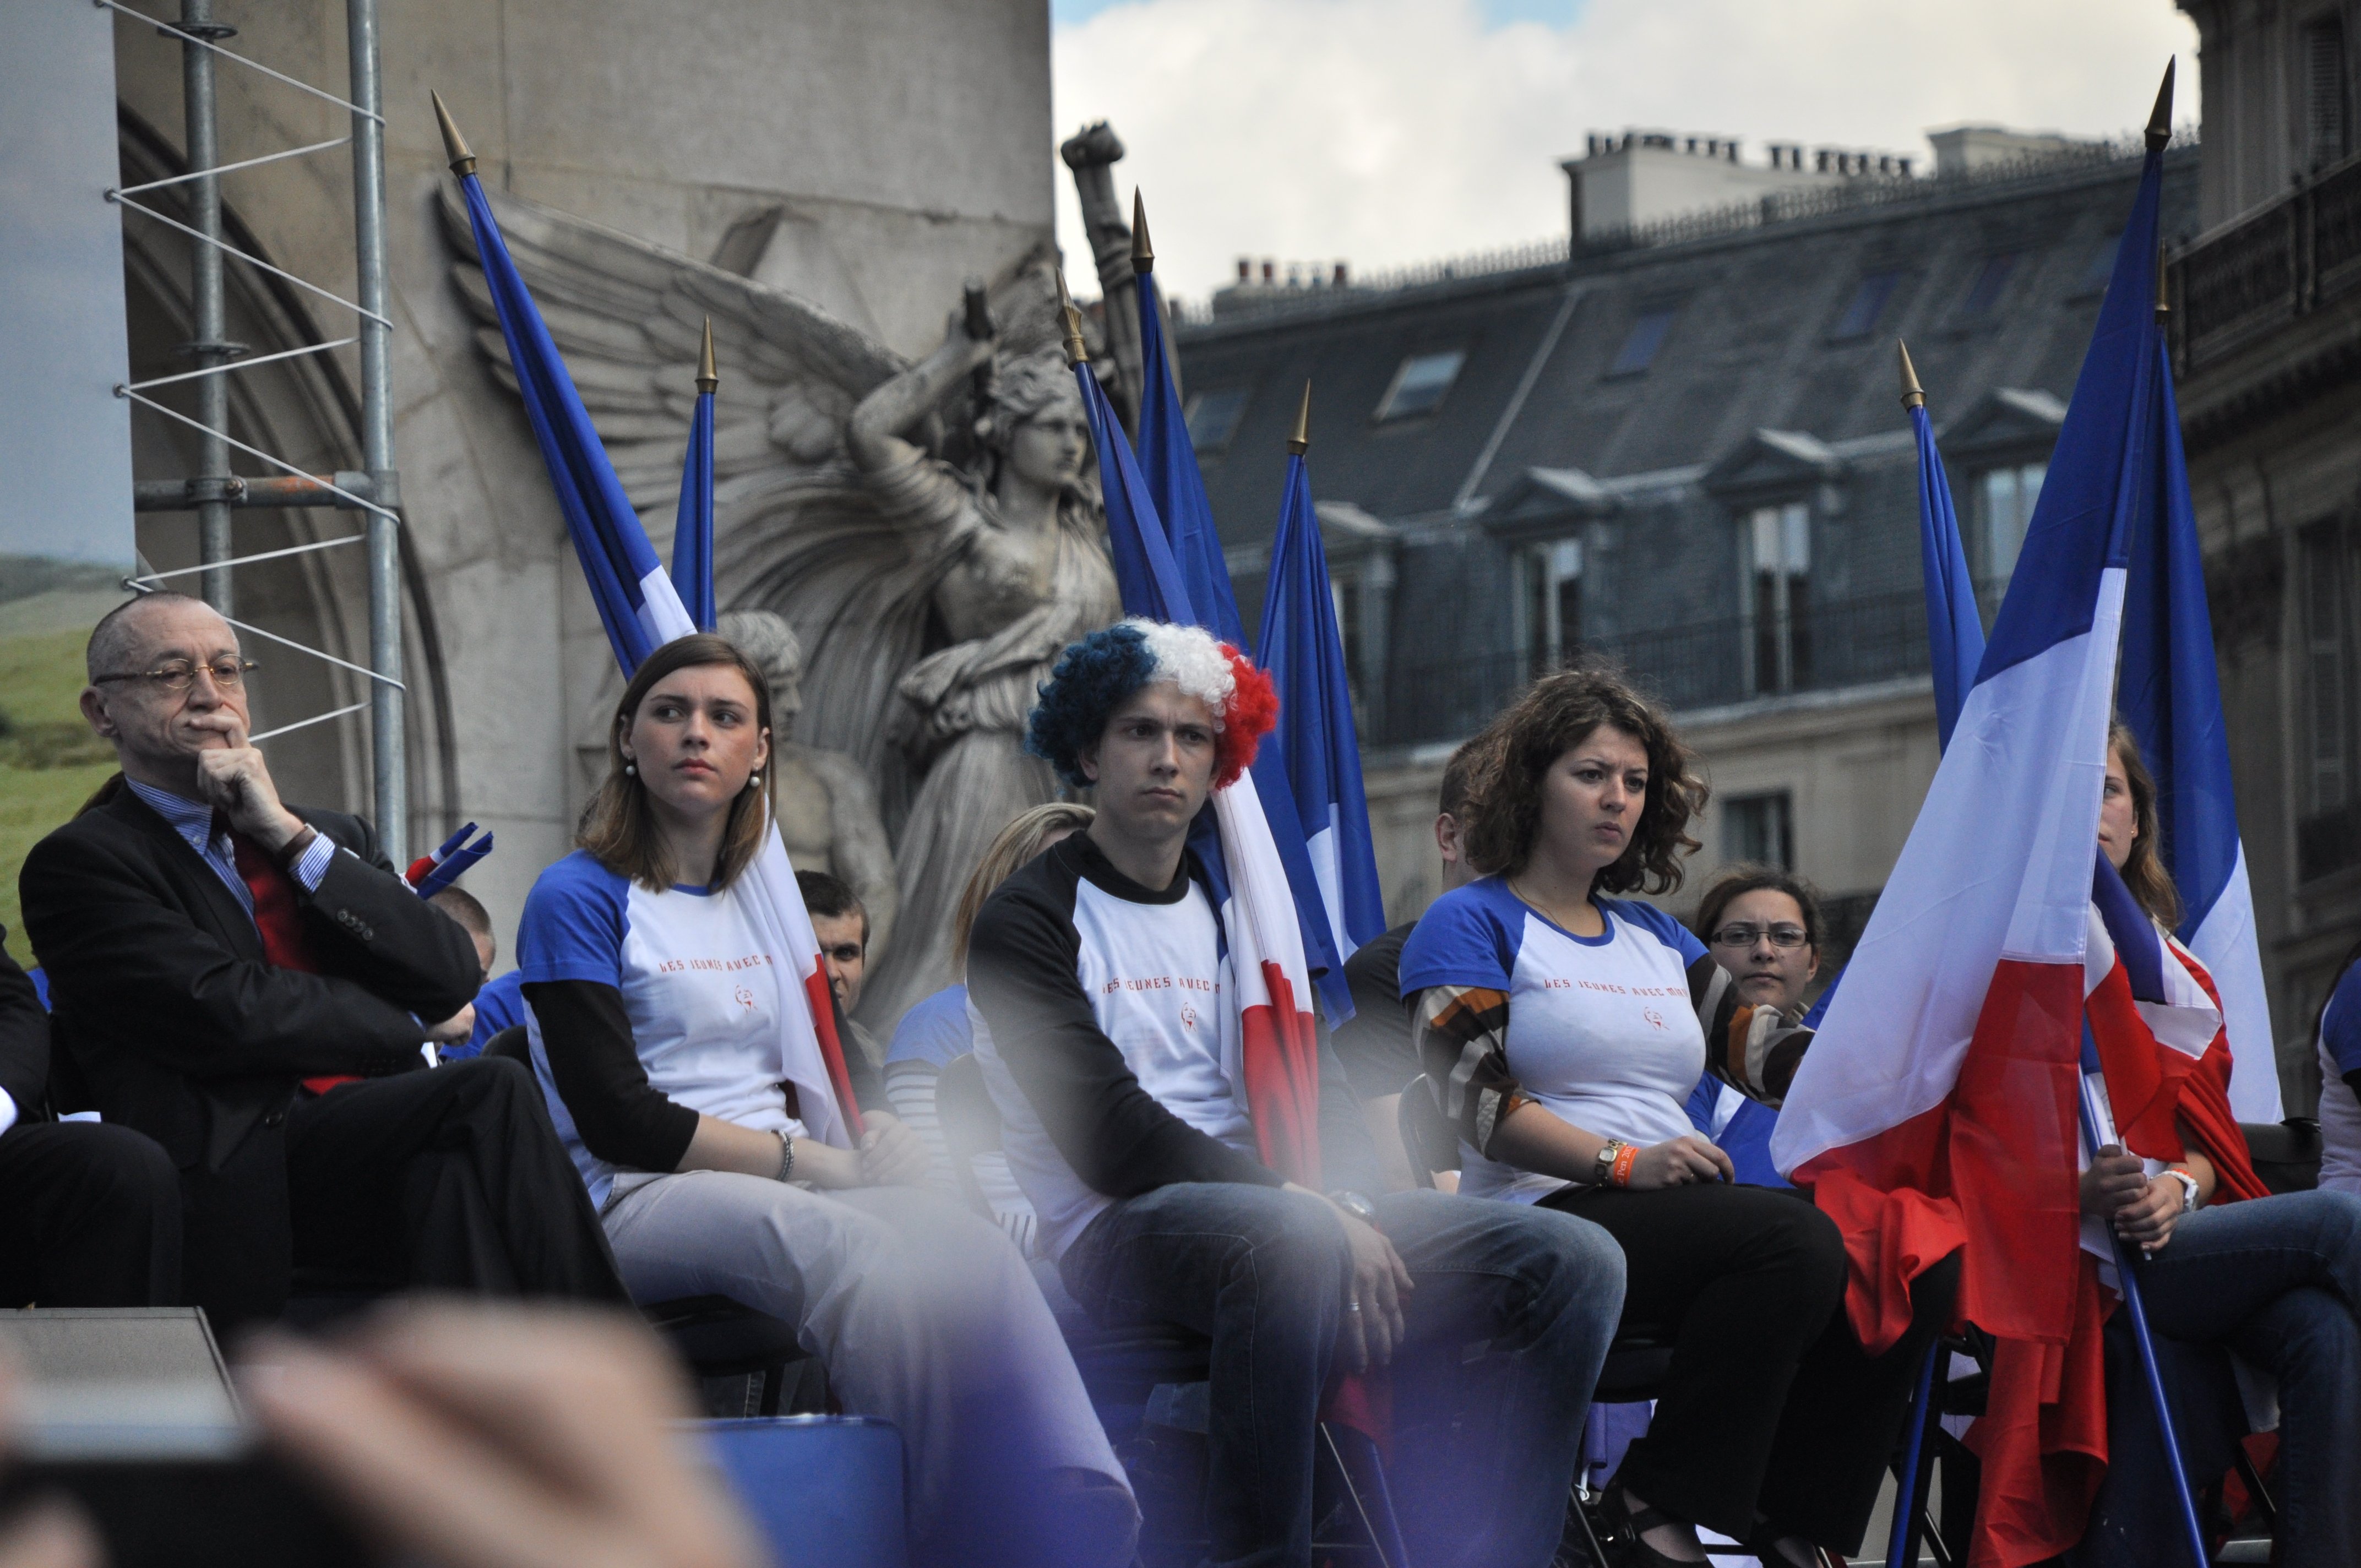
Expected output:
(455, 145)
(1300, 441)
(709, 379)
(1914, 396)
(2159, 119)
(1077, 353)
(1143, 255)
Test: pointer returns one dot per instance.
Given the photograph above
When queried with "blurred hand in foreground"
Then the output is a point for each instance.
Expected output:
(488, 1437)
(48, 1534)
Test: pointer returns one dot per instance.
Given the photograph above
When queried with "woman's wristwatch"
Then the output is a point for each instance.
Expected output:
(786, 1159)
(2188, 1188)
(1614, 1169)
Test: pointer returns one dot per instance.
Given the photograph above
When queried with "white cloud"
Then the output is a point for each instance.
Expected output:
(1390, 131)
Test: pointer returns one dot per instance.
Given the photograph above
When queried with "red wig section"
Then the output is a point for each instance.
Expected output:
(1251, 713)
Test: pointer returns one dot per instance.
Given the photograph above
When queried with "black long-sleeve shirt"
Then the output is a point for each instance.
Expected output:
(1111, 1050)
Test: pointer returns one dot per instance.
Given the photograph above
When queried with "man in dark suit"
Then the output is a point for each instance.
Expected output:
(245, 983)
(90, 1213)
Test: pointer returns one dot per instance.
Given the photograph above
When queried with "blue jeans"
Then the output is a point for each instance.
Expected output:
(1504, 1336)
(2279, 1281)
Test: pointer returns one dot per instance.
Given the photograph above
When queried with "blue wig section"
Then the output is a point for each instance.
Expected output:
(1092, 678)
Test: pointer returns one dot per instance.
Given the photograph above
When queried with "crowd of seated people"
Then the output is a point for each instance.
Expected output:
(228, 1100)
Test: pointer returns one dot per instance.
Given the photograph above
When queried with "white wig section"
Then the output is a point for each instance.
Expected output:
(1190, 659)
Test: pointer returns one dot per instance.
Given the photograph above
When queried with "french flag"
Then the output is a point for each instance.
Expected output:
(1305, 655)
(1936, 1109)
(1175, 489)
(2171, 695)
(642, 611)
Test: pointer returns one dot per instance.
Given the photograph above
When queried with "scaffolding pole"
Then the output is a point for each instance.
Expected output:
(386, 734)
(209, 346)
(213, 492)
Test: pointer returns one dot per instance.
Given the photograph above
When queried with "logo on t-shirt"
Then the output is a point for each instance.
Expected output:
(745, 998)
(1655, 1018)
(1188, 1017)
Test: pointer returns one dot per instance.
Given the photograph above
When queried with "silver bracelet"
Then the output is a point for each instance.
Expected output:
(786, 1159)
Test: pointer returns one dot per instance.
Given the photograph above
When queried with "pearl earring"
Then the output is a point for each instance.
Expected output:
(754, 782)
(630, 770)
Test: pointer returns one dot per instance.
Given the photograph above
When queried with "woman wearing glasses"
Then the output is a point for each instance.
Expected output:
(1565, 1028)
(1762, 925)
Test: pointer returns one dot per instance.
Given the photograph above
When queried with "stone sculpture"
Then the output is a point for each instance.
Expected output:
(931, 533)
(826, 805)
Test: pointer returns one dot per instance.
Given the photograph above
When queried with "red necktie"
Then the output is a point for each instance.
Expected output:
(281, 920)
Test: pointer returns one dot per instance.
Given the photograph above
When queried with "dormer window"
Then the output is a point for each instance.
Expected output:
(1213, 418)
(1776, 565)
(1984, 294)
(2002, 508)
(1640, 344)
(1868, 303)
(1420, 384)
(1548, 604)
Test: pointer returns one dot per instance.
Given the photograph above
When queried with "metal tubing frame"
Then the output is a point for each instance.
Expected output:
(386, 749)
(207, 312)
(219, 488)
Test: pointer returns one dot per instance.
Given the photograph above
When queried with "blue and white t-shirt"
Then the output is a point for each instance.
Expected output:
(681, 960)
(2340, 1112)
(1601, 1029)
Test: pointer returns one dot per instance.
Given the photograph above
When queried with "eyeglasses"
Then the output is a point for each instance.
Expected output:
(180, 674)
(1738, 936)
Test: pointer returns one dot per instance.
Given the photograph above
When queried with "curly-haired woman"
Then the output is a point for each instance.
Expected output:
(663, 990)
(1565, 1028)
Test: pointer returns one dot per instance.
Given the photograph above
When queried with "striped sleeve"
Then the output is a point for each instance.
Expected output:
(1753, 1049)
(1461, 1032)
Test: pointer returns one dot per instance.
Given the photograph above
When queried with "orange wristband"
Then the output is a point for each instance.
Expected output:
(1621, 1174)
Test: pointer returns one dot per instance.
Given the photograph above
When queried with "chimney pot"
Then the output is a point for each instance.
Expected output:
(1245, 270)
(1271, 272)
(1340, 275)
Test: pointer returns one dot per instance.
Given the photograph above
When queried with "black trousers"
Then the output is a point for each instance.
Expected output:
(1770, 1408)
(449, 1179)
(89, 1216)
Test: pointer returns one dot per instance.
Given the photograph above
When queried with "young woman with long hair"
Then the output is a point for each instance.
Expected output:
(663, 1000)
(2275, 1279)
(1568, 1027)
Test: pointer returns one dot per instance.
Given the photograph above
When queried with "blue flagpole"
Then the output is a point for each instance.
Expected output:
(1900, 1547)
(692, 537)
(2156, 1393)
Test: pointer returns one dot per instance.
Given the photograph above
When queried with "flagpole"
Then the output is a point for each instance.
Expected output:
(2197, 1555)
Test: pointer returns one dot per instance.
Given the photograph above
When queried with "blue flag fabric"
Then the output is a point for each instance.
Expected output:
(1305, 655)
(2169, 692)
(1167, 462)
(1955, 631)
(692, 536)
(637, 603)
(1150, 578)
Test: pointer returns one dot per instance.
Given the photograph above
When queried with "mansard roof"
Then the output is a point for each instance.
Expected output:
(1996, 287)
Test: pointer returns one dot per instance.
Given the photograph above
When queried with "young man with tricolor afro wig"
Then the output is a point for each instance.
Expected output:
(1112, 1047)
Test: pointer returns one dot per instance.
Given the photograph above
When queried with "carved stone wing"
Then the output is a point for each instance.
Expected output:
(626, 315)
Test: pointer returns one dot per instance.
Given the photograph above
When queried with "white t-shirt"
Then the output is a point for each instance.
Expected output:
(1601, 1030)
(681, 959)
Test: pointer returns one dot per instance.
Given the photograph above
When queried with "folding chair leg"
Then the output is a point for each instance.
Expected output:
(2264, 1504)
(1374, 1506)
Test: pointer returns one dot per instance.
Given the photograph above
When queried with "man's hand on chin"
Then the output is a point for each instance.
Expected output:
(235, 781)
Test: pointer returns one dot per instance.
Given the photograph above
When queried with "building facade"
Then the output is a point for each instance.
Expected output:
(1681, 447)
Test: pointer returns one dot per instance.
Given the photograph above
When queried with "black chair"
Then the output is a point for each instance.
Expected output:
(719, 1338)
(2285, 1155)
(1146, 1382)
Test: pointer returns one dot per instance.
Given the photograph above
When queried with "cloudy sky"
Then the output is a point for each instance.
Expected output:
(1381, 132)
